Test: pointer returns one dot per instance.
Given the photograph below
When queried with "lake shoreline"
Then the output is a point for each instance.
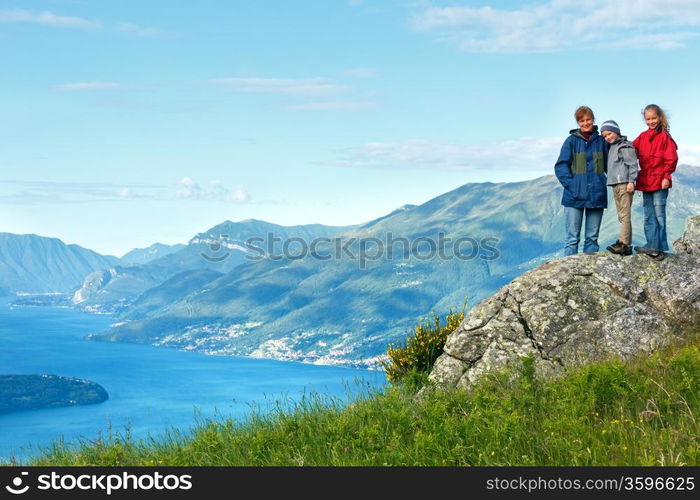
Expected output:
(151, 389)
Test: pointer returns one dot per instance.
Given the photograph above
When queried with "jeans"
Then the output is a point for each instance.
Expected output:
(655, 219)
(574, 219)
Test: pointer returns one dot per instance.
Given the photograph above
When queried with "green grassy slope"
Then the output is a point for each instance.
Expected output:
(640, 412)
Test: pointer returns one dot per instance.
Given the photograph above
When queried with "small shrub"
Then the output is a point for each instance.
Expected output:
(413, 359)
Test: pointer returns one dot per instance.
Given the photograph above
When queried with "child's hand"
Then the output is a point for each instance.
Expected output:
(665, 184)
(630, 187)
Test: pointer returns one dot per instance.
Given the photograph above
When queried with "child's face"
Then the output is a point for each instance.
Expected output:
(609, 136)
(585, 123)
(652, 119)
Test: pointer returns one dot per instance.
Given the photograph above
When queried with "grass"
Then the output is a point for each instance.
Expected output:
(639, 412)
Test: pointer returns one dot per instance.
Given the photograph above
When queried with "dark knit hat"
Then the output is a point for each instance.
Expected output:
(610, 125)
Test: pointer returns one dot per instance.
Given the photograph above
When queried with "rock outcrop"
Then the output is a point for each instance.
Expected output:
(92, 284)
(690, 241)
(576, 310)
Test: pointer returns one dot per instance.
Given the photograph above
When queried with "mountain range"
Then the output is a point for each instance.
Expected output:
(347, 299)
(221, 249)
(346, 309)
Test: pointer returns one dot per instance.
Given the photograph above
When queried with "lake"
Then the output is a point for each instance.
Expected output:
(151, 389)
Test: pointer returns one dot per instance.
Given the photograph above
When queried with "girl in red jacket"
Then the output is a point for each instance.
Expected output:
(656, 150)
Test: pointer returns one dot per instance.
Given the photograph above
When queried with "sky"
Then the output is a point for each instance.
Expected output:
(127, 122)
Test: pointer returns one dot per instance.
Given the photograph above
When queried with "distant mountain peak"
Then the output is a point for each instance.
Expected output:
(150, 253)
(38, 264)
(407, 206)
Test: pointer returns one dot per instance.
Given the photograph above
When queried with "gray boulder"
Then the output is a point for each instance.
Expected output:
(690, 241)
(578, 309)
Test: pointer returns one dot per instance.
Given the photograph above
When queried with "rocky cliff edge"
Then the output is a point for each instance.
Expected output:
(576, 310)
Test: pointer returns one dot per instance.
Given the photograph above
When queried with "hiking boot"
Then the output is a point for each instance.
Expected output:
(627, 250)
(648, 251)
(617, 248)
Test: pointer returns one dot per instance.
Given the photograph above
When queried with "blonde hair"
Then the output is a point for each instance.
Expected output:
(663, 119)
(583, 110)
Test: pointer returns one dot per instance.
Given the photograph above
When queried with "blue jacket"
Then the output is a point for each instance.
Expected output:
(581, 168)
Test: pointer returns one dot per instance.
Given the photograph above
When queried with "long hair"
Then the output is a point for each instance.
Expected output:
(663, 119)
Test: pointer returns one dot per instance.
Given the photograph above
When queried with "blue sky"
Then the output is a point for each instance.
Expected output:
(128, 122)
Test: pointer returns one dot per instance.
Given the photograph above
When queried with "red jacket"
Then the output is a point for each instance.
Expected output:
(657, 155)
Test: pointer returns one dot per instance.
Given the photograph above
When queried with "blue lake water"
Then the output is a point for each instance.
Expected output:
(151, 389)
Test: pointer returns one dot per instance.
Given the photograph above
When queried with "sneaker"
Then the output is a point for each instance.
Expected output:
(647, 251)
(661, 256)
(627, 250)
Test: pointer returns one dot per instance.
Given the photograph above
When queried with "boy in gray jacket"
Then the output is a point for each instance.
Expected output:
(622, 174)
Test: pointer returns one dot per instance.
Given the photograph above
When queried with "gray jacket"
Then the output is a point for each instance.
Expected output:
(622, 162)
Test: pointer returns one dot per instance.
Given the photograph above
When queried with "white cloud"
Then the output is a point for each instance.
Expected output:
(334, 106)
(127, 193)
(88, 86)
(52, 192)
(238, 195)
(283, 86)
(215, 191)
(136, 30)
(534, 155)
(189, 189)
(46, 18)
(666, 41)
(564, 24)
(689, 154)
(538, 154)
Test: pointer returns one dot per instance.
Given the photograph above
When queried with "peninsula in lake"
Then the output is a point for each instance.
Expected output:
(33, 392)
